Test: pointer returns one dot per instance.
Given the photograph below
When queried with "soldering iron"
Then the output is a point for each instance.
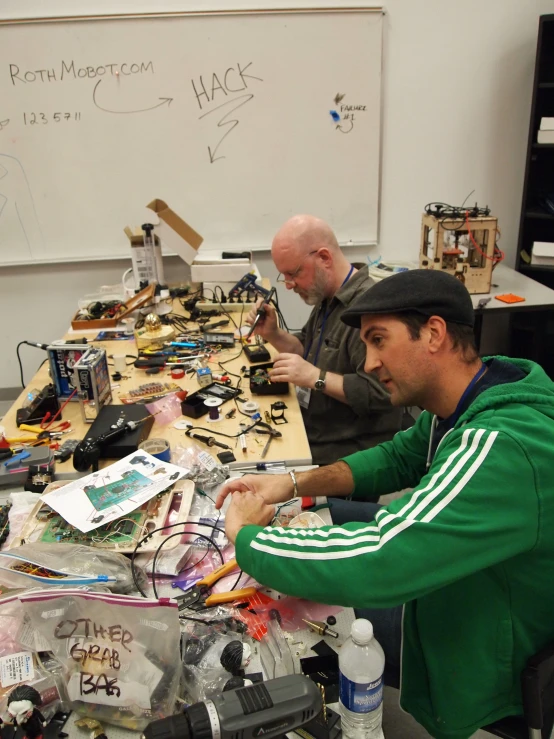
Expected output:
(260, 313)
(268, 709)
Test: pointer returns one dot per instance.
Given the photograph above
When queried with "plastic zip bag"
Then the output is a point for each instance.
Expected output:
(20, 663)
(68, 565)
(120, 654)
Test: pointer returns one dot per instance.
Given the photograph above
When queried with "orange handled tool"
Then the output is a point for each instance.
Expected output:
(199, 593)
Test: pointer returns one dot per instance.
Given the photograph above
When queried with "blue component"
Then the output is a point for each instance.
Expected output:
(102, 578)
(334, 115)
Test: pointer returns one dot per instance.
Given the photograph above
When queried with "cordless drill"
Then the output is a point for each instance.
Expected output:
(267, 710)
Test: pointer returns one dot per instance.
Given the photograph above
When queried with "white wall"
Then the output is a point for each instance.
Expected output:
(457, 90)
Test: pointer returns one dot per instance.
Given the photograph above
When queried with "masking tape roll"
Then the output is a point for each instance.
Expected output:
(158, 448)
(250, 407)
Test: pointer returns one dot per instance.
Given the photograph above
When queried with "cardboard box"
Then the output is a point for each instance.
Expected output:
(543, 253)
(219, 270)
(144, 297)
(175, 233)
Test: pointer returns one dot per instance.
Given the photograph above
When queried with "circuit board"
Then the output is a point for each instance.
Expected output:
(121, 535)
(121, 531)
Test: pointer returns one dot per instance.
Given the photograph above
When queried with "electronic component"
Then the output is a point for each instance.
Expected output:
(37, 404)
(62, 360)
(219, 337)
(257, 353)
(45, 525)
(92, 380)
(261, 384)
(193, 406)
(269, 709)
(204, 376)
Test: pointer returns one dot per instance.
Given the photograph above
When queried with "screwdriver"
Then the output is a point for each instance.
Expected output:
(260, 313)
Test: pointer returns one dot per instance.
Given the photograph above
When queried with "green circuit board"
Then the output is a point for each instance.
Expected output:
(120, 531)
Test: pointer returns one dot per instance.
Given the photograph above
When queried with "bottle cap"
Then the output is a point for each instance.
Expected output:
(362, 631)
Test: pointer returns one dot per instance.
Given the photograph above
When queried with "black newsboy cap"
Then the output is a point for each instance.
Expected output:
(425, 291)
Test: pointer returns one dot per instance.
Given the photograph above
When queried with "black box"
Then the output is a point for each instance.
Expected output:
(128, 443)
(257, 353)
(270, 388)
(193, 405)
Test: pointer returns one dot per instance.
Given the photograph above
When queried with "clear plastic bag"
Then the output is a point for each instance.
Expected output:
(119, 654)
(212, 654)
(20, 663)
(82, 565)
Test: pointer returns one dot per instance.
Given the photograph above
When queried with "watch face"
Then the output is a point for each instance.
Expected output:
(319, 384)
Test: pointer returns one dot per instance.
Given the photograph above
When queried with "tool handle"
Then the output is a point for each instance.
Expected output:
(216, 575)
(217, 598)
(32, 429)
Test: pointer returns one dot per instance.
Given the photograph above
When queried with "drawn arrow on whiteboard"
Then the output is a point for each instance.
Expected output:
(341, 129)
(163, 101)
(233, 123)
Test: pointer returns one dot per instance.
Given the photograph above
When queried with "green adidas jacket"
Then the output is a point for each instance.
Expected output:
(470, 551)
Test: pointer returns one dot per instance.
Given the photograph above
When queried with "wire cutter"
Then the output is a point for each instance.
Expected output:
(272, 434)
(198, 595)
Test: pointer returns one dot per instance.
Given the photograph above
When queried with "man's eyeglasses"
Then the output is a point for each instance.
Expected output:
(293, 275)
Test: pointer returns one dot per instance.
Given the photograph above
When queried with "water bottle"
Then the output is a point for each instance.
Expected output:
(361, 665)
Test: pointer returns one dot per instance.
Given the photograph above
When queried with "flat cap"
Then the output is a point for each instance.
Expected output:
(426, 291)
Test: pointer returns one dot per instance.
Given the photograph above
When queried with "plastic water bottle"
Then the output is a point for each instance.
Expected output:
(361, 665)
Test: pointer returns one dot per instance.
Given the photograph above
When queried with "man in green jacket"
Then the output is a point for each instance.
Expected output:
(469, 552)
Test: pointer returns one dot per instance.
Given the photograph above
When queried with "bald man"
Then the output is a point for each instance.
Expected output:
(344, 408)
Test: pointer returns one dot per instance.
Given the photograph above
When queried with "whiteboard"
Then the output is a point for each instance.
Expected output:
(236, 120)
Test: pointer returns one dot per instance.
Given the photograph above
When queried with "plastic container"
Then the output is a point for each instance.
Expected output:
(361, 665)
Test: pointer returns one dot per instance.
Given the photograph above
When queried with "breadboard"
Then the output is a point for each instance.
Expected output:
(45, 525)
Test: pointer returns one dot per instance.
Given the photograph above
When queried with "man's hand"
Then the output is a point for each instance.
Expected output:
(272, 488)
(267, 326)
(247, 508)
(292, 368)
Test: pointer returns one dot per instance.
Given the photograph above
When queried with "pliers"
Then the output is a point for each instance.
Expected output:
(273, 434)
(198, 596)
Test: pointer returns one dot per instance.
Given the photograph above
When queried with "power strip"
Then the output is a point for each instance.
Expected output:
(230, 307)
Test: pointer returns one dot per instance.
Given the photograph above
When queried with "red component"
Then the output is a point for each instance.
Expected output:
(307, 503)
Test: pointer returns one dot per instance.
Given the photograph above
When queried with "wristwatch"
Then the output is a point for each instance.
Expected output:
(320, 383)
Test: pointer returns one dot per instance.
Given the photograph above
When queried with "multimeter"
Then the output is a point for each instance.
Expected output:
(216, 337)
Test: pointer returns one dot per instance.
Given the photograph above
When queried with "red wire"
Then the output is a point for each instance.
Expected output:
(498, 254)
(57, 414)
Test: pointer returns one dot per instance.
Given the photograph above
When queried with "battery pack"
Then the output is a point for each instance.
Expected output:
(92, 380)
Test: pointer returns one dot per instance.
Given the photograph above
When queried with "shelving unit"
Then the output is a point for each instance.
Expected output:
(537, 221)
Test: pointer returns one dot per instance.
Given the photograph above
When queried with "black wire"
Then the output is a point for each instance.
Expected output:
(155, 531)
(19, 360)
(28, 343)
(187, 569)
(237, 580)
(179, 533)
(220, 433)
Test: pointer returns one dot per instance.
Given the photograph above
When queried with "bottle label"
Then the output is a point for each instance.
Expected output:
(360, 697)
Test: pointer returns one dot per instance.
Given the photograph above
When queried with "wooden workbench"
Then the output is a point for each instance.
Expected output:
(292, 448)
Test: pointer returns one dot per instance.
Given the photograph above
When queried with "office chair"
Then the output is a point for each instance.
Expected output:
(537, 687)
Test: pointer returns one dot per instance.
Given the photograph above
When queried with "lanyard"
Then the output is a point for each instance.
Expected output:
(324, 321)
(454, 417)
